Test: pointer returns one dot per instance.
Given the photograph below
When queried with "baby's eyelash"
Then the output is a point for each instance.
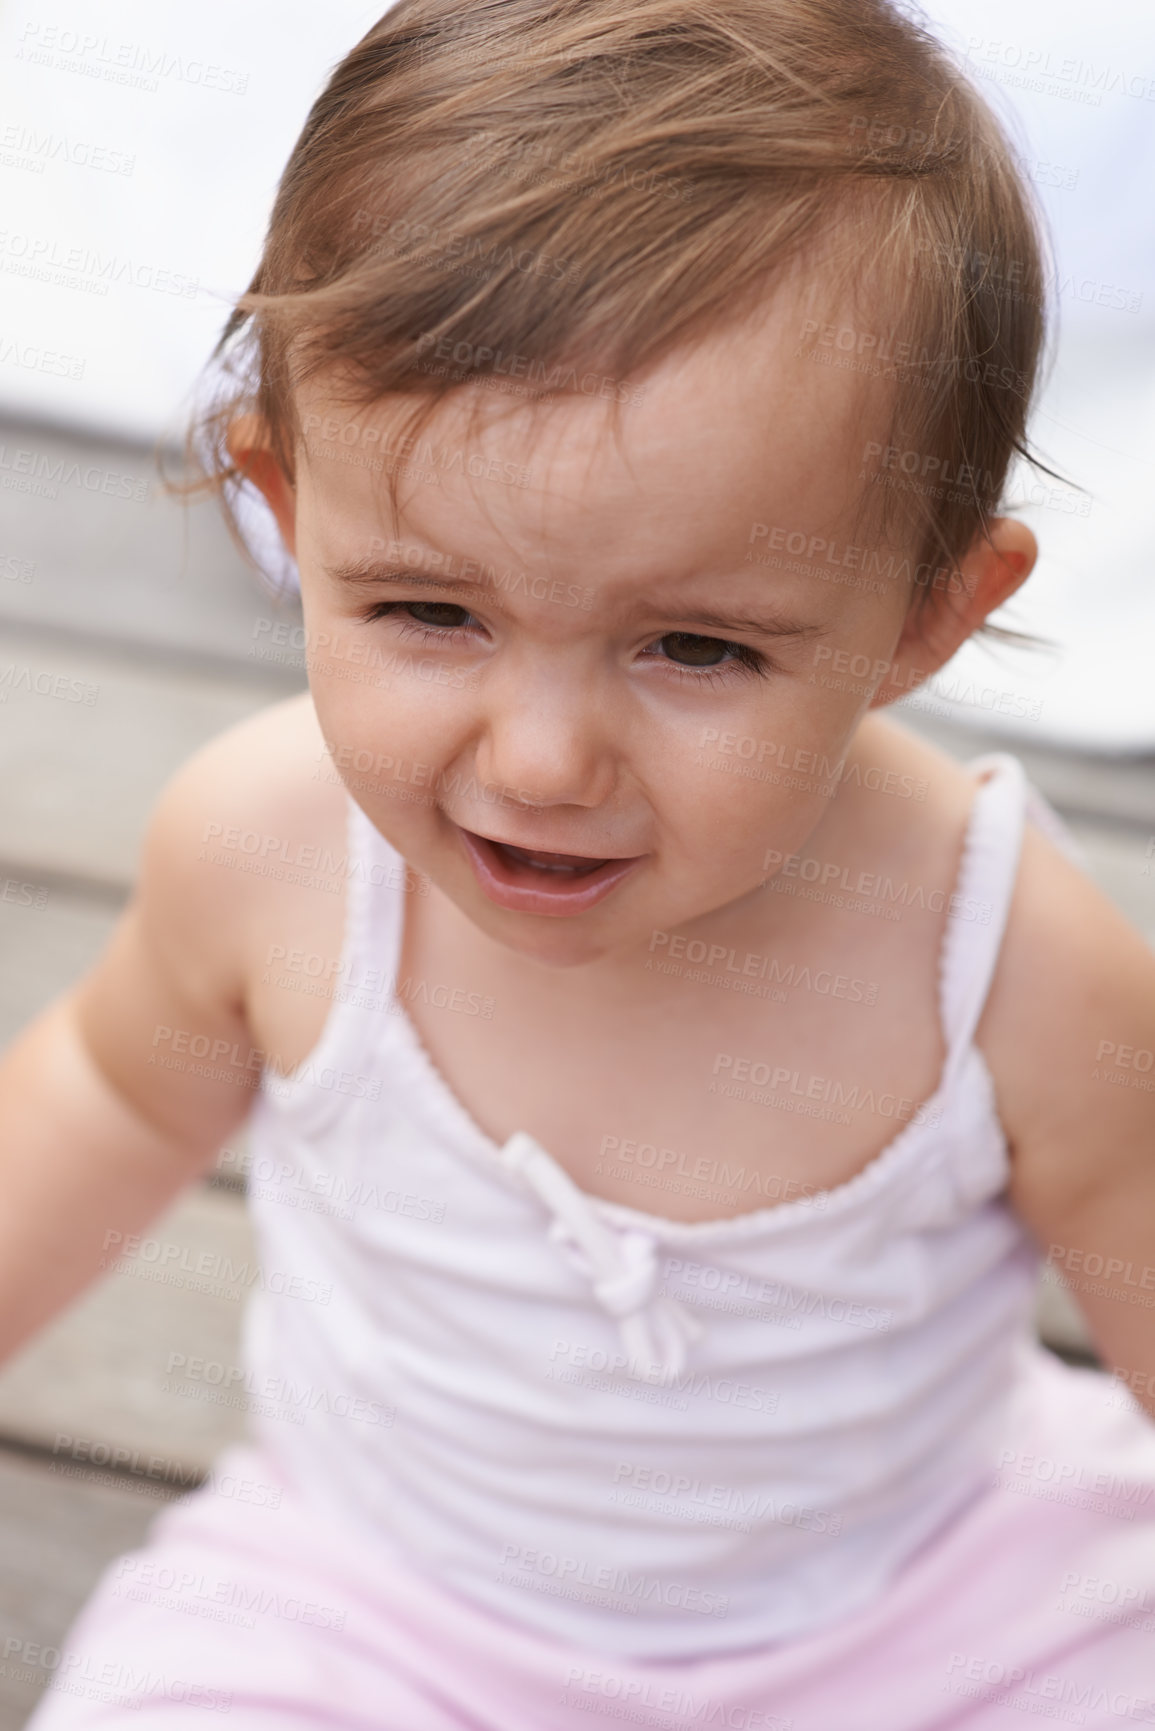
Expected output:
(383, 609)
(743, 660)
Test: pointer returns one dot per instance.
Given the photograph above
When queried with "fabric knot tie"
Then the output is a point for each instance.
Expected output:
(630, 1286)
(621, 1265)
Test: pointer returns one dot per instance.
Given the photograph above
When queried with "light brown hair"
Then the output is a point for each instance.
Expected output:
(563, 186)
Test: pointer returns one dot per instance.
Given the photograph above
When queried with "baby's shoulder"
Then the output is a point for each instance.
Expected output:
(1068, 1029)
(1068, 1026)
(235, 826)
(903, 806)
(250, 788)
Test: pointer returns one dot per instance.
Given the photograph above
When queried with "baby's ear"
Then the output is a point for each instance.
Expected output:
(994, 566)
(248, 445)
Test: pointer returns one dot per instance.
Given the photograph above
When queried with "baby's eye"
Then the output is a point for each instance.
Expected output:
(711, 656)
(442, 613)
(437, 615)
(690, 650)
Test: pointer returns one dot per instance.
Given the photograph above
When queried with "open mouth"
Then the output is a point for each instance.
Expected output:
(538, 881)
(576, 863)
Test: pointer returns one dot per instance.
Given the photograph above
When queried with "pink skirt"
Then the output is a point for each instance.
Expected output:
(1039, 1600)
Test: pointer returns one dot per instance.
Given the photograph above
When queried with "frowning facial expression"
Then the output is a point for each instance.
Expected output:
(580, 681)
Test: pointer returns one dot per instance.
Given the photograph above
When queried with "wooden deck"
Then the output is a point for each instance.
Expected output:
(157, 613)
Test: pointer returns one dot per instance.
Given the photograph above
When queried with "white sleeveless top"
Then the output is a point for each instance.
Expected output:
(654, 1438)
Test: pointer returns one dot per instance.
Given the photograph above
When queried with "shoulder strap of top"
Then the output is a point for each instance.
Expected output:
(977, 913)
(364, 981)
(379, 877)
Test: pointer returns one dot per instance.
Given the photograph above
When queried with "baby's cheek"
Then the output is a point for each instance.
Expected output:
(736, 808)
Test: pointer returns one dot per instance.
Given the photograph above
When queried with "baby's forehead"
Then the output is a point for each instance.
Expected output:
(743, 427)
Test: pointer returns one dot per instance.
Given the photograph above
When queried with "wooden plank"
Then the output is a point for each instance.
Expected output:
(107, 1375)
(1122, 863)
(1060, 1322)
(1118, 790)
(59, 1529)
(95, 543)
(47, 940)
(87, 743)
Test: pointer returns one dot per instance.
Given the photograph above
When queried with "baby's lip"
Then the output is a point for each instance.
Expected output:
(547, 861)
(550, 858)
(541, 880)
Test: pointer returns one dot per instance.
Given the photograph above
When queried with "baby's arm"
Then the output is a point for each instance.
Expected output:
(1071, 1015)
(96, 1135)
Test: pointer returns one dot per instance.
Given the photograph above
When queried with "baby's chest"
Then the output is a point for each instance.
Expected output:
(695, 1117)
(693, 1098)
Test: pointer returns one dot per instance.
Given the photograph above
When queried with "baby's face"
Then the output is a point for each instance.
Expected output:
(608, 653)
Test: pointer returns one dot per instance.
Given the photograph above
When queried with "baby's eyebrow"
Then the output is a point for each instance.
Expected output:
(368, 574)
(760, 624)
(373, 574)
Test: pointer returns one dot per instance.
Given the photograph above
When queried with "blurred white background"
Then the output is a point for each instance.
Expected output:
(140, 147)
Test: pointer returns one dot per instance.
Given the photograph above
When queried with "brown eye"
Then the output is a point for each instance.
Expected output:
(690, 650)
(442, 613)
